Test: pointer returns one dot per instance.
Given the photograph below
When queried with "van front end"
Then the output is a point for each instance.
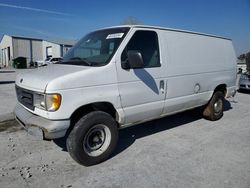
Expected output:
(30, 103)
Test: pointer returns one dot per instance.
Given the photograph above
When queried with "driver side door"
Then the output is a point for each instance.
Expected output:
(142, 90)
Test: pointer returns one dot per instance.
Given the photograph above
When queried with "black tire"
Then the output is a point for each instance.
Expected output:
(215, 107)
(93, 138)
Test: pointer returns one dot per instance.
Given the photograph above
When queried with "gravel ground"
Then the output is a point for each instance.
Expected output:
(7, 92)
(183, 150)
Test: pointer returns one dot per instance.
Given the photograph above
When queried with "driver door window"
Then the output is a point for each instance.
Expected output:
(145, 42)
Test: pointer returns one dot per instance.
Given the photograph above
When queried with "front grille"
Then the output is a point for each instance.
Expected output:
(25, 97)
(241, 85)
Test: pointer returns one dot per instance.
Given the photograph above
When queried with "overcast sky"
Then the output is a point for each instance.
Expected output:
(72, 19)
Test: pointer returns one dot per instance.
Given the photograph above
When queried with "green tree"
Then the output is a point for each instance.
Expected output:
(131, 21)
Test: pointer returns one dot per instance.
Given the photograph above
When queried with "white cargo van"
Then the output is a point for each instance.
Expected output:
(121, 76)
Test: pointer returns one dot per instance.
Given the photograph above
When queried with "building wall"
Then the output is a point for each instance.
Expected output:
(29, 48)
(55, 49)
(32, 49)
(21, 48)
(241, 65)
(4, 56)
(37, 50)
(65, 49)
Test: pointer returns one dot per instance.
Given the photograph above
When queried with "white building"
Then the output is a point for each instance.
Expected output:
(241, 65)
(34, 49)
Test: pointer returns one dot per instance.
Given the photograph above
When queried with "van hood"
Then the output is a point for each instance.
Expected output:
(38, 79)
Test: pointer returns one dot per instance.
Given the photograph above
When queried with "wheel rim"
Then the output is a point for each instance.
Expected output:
(97, 140)
(218, 105)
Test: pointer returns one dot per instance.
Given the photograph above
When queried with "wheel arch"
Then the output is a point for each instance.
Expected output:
(222, 88)
(95, 106)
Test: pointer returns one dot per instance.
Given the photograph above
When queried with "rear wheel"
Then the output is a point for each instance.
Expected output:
(214, 109)
(93, 138)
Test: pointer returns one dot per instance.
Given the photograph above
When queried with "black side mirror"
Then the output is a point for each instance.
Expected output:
(134, 60)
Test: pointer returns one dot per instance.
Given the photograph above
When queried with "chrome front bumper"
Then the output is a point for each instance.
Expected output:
(40, 127)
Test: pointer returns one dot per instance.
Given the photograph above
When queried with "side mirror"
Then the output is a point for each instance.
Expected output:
(134, 60)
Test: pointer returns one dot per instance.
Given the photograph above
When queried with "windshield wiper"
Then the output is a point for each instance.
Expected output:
(84, 60)
(76, 61)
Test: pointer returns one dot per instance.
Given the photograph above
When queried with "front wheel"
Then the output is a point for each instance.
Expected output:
(214, 109)
(93, 138)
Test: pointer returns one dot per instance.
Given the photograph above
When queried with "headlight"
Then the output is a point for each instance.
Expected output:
(49, 102)
(53, 102)
(39, 100)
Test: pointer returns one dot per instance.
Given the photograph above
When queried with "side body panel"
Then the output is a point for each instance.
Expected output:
(195, 66)
(192, 66)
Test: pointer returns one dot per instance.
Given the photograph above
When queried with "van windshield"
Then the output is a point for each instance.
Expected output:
(96, 48)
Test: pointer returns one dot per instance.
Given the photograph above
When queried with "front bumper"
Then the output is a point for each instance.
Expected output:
(40, 127)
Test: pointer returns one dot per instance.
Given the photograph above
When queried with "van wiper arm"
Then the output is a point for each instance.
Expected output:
(85, 61)
(76, 61)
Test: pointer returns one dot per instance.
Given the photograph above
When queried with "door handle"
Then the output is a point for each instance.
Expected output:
(162, 86)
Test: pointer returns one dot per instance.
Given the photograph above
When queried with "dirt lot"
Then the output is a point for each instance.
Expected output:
(7, 92)
(183, 150)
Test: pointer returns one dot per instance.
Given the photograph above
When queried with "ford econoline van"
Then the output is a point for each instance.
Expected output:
(121, 76)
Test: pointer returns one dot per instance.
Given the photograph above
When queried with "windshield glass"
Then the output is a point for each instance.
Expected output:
(96, 48)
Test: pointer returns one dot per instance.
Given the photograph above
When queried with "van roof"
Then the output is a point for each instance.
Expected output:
(167, 29)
